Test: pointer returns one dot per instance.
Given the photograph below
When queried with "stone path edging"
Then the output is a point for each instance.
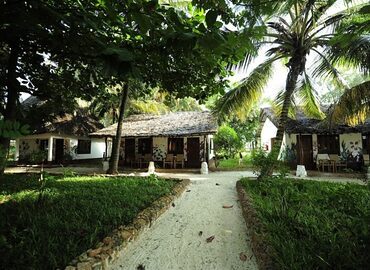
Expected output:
(109, 249)
(260, 248)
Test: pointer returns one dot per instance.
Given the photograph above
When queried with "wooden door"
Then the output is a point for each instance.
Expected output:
(59, 150)
(193, 155)
(305, 151)
(129, 151)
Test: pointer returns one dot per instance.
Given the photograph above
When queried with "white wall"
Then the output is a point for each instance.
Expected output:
(351, 142)
(159, 148)
(97, 148)
(27, 145)
(211, 151)
(268, 131)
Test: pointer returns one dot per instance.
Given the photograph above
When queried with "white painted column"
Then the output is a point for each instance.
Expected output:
(50, 149)
(16, 157)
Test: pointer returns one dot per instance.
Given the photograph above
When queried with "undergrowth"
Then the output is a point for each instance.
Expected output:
(314, 225)
(44, 225)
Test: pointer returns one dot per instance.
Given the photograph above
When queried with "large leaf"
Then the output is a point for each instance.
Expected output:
(354, 105)
(308, 99)
(242, 98)
(211, 17)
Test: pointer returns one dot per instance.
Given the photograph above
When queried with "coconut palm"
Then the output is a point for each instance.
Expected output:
(302, 28)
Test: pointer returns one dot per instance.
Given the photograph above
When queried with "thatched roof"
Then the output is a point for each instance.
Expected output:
(167, 125)
(303, 124)
(80, 124)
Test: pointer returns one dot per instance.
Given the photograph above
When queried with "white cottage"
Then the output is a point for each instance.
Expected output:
(64, 138)
(173, 140)
(307, 140)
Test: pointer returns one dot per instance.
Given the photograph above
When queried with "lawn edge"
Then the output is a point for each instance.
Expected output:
(109, 249)
(262, 251)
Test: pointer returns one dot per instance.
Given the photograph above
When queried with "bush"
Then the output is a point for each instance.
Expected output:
(265, 163)
(227, 142)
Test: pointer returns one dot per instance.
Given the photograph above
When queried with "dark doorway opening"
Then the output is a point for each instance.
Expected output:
(193, 155)
(59, 150)
(129, 152)
(305, 151)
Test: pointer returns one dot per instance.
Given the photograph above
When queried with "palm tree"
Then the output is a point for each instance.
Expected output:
(300, 29)
(106, 105)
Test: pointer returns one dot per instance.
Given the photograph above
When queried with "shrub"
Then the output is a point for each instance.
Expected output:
(227, 142)
(265, 163)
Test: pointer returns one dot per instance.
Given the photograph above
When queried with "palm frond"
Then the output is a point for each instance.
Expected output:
(323, 68)
(277, 105)
(353, 51)
(247, 93)
(308, 99)
(353, 106)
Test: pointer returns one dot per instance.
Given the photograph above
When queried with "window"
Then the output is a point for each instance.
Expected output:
(175, 145)
(84, 147)
(44, 145)
(145, 146)
(328, 144)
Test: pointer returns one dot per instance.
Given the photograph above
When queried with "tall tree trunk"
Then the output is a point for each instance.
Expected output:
(113, 163)
(11, 102)
(291, 81)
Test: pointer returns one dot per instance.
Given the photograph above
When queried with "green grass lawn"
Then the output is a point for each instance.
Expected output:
(314, 225)
(46, 229)
(233, 163)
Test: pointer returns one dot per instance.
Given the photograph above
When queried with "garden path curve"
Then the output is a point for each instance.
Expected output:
(174, 241)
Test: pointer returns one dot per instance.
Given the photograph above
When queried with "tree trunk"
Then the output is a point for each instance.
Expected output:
(11, 102)
(291, 81)
(113, 163)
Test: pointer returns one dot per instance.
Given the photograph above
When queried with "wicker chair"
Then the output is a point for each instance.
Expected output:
(179, 160)
(169, 160)
(338, 163)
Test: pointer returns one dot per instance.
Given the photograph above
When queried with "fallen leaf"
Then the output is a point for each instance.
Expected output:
(200, 233)
(140, 267)
(243, 257)
(173, 204)
(210, 239)
(227, 206)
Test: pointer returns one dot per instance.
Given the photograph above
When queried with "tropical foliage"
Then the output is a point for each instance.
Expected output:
(300, 29)
(227, 142)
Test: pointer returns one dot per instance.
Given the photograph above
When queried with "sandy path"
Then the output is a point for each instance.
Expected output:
(174, 243)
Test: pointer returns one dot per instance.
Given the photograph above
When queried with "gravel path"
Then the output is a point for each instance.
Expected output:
(174, 241)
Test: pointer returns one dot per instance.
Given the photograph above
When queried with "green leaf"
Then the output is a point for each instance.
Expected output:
(122, 54)
(218, 24)
(211, 17)
(16, 125)
(143, 21)
(364, 10)
(25, 129)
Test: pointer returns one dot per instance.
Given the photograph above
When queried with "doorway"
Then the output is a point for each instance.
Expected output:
(129, 152)
(305, 151)
(59, 150)
(193, 155)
